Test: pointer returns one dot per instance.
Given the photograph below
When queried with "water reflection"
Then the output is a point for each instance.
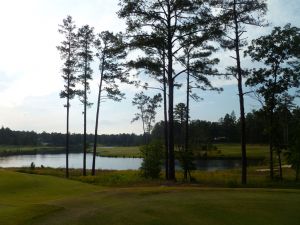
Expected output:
(76, 161)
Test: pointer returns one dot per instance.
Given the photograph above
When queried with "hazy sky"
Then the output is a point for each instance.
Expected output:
(30, 79)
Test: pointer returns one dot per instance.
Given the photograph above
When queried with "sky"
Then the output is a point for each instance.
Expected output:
(30, 77)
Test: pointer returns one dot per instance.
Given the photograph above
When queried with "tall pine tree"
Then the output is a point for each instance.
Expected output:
(68, 49)
(85, 38)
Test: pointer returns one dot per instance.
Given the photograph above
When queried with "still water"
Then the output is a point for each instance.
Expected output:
(76, 161)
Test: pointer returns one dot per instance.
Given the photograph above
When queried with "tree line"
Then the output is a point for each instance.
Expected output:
(174, 44)
(31, 138)
(225, 130)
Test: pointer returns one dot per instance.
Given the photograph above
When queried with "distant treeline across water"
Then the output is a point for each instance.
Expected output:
(225, 130)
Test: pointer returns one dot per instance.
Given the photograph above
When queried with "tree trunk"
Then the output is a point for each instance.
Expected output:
(241, 98)
(280, 166)
(165, 117)
(97, 118)
(67, 135)
(171, 97)
(297, 172)
(271, 146)
(84, 124)
(186, 139)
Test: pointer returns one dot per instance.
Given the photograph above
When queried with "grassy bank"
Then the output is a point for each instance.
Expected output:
(227, 150)
(32, 199)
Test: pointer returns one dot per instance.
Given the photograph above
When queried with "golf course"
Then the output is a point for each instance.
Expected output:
(42, 199)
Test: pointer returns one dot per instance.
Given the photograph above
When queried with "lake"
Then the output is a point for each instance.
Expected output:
(106, 163)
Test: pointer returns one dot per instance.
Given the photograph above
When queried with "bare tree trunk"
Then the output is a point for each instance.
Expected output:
(186, 139)
(165, 116)
(67, 134)
(280, 166)
(97, 118)
(271, 136)
(84, 124)
(171, 98)
(241, 98)
(297, 172)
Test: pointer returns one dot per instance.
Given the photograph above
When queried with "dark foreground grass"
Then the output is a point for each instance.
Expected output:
(32, 199)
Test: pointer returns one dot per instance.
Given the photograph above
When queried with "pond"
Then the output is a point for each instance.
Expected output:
(108, 163)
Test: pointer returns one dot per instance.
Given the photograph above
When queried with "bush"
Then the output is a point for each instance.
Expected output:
(152, 159)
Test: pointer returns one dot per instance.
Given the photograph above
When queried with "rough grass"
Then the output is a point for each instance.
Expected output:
(32, 199)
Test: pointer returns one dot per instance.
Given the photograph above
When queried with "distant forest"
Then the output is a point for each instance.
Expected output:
(201, 131)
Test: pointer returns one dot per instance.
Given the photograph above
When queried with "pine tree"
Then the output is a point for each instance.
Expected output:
(85, 38)
(172, 20)
(238, 14)
(111, 52)
(68, 50)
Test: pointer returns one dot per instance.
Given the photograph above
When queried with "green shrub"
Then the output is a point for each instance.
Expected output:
(152, 159)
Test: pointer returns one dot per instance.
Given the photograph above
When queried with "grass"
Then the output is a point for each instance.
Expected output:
(33, 199)
(6, 150)
(254, 151)
(257, 178)
(227, 150)
(130, 152)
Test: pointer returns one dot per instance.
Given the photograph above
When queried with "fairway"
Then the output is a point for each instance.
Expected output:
(225, 150)
(34, 199)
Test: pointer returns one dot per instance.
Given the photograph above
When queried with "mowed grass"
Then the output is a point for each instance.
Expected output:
(33, 199)
(227, 150)
(131, 152)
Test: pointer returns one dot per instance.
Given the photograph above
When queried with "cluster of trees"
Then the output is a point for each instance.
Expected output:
(9, 137)
(78, 50)
(172, 39)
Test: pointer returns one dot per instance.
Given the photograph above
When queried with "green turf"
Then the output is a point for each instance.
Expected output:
(227, 150)
(32, 199)
(234, 151)
(132, 152)
(18, 150)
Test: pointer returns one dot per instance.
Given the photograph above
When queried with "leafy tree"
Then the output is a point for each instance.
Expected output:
(85, 38)
(237, 14)
(147, 107)
(110, 51)
(280, 73)
(152, 159)
(68, 50)
(172, 20)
